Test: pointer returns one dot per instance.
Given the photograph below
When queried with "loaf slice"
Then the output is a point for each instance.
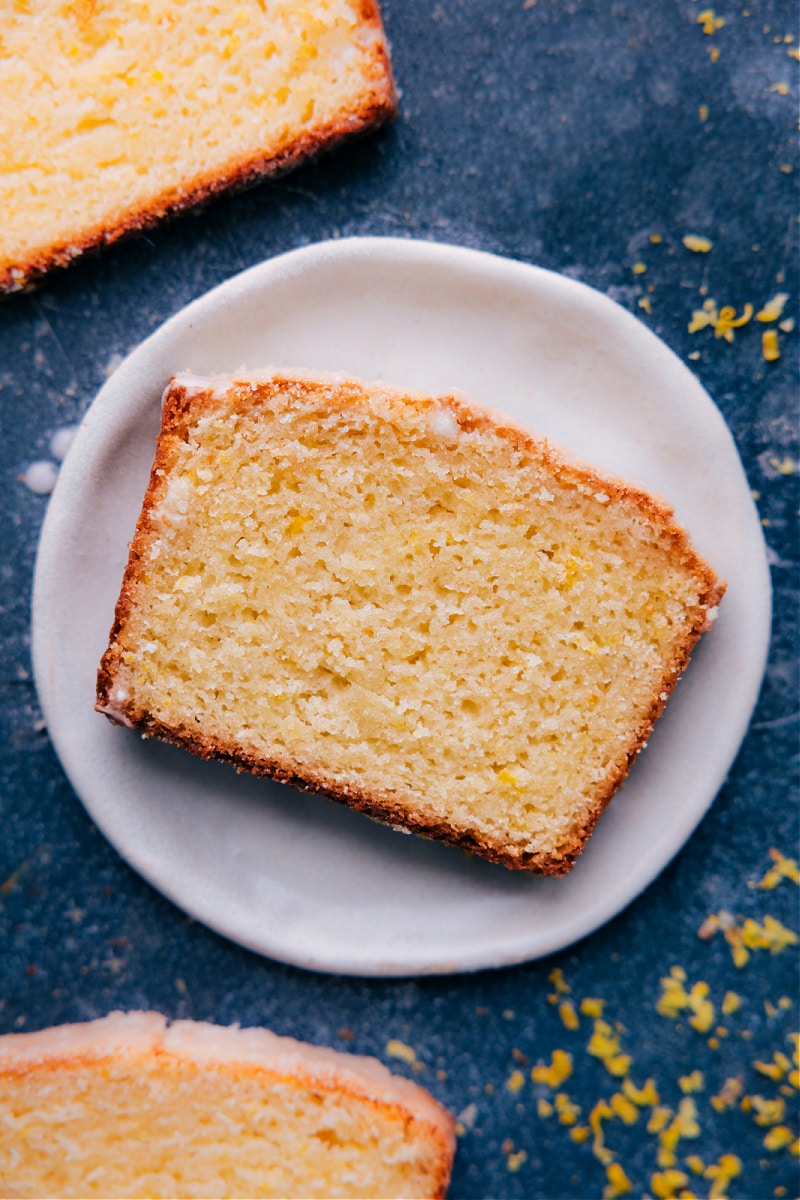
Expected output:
(114, 113)
(127, 1106)
(405, 602)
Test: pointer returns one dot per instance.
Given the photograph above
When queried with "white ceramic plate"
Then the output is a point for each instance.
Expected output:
(297, 877)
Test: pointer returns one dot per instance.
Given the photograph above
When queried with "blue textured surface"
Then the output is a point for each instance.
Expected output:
(564, 133)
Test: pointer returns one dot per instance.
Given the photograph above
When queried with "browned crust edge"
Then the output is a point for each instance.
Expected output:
(425, 1118)
(180, 406)
(377, 106)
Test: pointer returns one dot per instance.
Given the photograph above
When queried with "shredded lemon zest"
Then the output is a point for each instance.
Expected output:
(731, 1003)
(710, 21)
(696, 243)
(568, 1112)
(515, 1160)
(592, 1007)
(770, 312)
(778, 1137)
(399, 1050)
(722, 1172)
(604, 1044)
(557, 1073)
(556, 977)
(683, 1125)
(770, 350)
(692, 1083)
(646, 1095)
(722, 320)
(618, 1182)
(515, 1082)
(665, 1184)
(601, 1112)
(675, 999)
(623, 1108)
(568, 1015)
(766, 1111)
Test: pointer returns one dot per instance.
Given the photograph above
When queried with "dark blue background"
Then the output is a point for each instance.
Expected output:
(562, 133)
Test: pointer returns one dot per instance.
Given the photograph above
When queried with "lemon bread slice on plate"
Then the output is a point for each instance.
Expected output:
(128, 1106)
(403, 601)
(114, 113)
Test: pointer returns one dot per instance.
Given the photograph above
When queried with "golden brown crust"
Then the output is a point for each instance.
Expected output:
(182, 404)
(376, 107)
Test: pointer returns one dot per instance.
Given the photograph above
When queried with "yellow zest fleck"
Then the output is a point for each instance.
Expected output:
(641, 1096)
(722, 1172)
(618, 1182)
(604, 1044)
(794, 53)
(713, 53)
(568, 1112)
(622, 1107)
(775, 1070)
(399, 1050)
(722, 320)
(556, 977)
(544, 1108)
(645, 304)
(507, 777)
(683, 1125)
(703, 112)
(785, 466)
(778, 1138)
(675, 999)
(659, 1119)
(770, 350)
(298, 524)
(695, 1163)
(781, 88)
(592, 1007)
(515, 1082)
(580, 1133)
(515, 1160)
(665, 1184)
(656, 238)
(639, 268)
(768, 1112)
(710, 21)
(731, 1003)
(696, 243)
(601, 1112)
(771, 935)
(787, 326)
(557, 1073)
(568, 1015)
(692, 1083)
(771, 311)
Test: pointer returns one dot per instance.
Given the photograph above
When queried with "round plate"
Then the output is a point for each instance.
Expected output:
(300, 878)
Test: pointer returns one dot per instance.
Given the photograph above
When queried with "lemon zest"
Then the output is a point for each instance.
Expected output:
(558, 1072)
(697, 244)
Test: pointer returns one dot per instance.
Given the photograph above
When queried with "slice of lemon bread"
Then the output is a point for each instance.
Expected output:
(114, 113)
(405, 602)
(127, 1106)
